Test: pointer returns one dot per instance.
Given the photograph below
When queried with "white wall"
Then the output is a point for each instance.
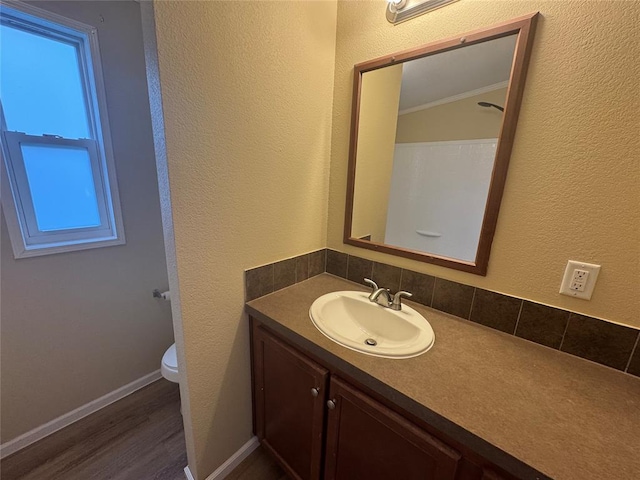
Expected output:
(78, 325)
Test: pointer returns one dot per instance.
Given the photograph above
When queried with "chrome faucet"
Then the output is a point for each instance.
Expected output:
(383, 297)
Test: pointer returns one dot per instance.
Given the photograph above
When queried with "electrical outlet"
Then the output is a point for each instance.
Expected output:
(579, 279)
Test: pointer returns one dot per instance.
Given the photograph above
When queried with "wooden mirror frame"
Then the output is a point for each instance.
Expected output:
(524, 27)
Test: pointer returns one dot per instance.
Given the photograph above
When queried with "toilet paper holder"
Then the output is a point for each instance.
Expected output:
(162, 295)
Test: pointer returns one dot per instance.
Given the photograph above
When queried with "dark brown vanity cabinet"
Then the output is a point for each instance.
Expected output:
(366, 440)
(321, 427)
(289, 406)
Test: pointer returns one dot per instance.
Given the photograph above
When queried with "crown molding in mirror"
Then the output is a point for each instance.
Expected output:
(524, 28)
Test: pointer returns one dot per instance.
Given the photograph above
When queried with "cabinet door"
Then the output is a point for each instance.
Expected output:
(289, 399)
(368, 441)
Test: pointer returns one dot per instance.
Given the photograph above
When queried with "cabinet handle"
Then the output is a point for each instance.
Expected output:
(331, 404)
(315, 392)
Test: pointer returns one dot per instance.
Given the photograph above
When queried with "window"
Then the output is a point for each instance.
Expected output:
(58, 188)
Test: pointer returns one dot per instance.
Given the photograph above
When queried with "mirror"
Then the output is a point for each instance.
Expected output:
(431, 136)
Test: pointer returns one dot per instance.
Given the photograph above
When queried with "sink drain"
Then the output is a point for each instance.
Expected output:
(371, 342)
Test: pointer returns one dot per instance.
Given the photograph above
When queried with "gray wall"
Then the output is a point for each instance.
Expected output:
(78, 325)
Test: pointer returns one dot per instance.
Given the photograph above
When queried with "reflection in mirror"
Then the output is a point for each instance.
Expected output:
(431, 141)
(426, 148)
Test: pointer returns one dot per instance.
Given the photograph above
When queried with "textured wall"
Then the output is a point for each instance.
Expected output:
(573, 188)
(247, 90)
(76, 326)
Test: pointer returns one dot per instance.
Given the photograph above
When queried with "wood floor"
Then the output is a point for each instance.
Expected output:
(257, 466)
(137, 438)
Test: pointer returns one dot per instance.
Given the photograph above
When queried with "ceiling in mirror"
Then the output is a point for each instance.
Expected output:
(443, 77)
(431, 138)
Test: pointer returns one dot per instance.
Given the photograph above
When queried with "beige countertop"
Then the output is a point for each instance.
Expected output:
(561, 415)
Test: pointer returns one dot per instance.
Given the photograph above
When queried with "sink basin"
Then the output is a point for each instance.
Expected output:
(350, 319)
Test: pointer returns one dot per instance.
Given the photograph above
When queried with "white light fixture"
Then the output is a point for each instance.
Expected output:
(402, 10)
(396, 5)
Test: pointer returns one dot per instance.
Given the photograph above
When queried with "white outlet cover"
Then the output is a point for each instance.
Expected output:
(572, 265)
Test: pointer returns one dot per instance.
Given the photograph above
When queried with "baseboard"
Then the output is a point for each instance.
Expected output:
(67, 419)
(232, 462)
(187, 473)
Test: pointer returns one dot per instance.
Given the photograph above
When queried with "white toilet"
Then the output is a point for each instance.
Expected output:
(169, 366)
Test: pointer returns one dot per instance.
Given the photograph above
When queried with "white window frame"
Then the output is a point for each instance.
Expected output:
(26, 239)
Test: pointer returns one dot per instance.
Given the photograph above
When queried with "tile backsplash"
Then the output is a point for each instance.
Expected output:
(266, 279)
(593, 339)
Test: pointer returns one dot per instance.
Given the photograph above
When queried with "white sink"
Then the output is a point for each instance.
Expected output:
(350, 319)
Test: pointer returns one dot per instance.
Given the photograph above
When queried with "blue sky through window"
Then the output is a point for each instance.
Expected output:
(62, 188)
(40, 85)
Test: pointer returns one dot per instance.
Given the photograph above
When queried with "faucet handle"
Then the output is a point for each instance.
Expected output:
(396, 304)
(372, 284)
